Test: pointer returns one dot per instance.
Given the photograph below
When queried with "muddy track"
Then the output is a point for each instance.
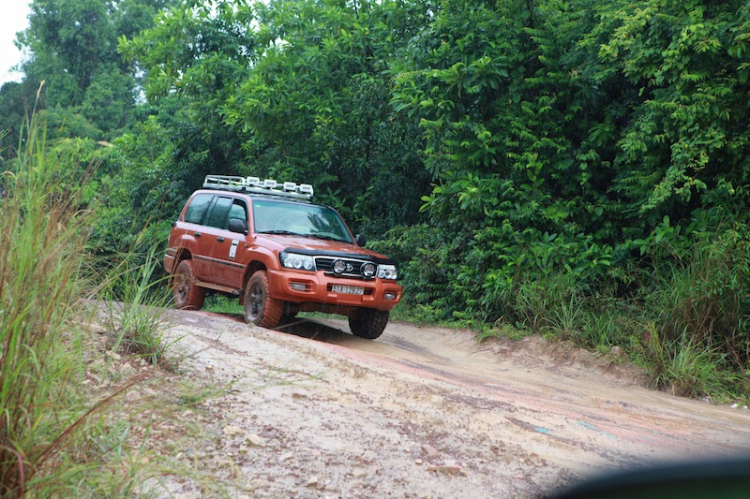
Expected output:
(425, 412)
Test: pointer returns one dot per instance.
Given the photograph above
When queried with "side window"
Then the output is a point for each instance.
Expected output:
(218, 215)
(237, 211)
(198, 208)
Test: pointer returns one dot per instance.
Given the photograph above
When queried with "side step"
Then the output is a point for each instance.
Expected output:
(218, 287)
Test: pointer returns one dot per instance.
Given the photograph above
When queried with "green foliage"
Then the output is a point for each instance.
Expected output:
(684, 136)
(193, 57)
(14, 107)
(610, 321)
(73, 54)
(43, 278)
(688, 367)
(705, 297)
(139, 192)
(317, 106)
(312, 100)
(419, 252)
(223, 305)
(136, 301)
(579, 167)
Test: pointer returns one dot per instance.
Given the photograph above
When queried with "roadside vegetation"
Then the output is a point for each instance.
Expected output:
(64, 431)
(570, 169)
(42, 279)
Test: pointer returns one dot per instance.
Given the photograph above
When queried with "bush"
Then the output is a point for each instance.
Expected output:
(420, 253)
(703, 299)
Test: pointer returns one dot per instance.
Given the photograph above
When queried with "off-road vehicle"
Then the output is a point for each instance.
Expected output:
(269, 245)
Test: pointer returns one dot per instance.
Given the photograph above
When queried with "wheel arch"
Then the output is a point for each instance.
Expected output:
(182, 254)
(251, 269)
(171, 262)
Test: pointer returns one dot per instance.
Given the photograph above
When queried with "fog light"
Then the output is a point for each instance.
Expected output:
(298, 286)
(368, 269)
(390, 296)
(339, 266)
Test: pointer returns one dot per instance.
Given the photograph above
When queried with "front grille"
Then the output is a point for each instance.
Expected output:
(353, 267)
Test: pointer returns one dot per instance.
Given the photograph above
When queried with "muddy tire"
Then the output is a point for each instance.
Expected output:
(368, 323)
(186, 295)
(260, 308)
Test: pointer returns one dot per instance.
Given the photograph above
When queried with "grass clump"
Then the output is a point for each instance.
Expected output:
(136, 300)
(51, 434)
(42, 243)
(687, 367)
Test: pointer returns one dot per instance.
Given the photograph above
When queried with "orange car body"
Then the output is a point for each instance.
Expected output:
(228, 236)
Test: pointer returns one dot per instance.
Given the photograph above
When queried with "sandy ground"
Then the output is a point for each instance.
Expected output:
(313, 411)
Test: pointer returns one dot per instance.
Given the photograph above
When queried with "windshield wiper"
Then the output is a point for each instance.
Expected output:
(290, 233)
(327, 238)
(281, 232)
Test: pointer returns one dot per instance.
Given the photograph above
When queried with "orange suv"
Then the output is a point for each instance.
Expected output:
(267, 244)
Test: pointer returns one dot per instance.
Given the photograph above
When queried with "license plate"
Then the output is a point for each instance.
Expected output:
(349, 290)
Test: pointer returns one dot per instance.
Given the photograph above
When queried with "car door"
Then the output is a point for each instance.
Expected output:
(225, 269)
(192, 233)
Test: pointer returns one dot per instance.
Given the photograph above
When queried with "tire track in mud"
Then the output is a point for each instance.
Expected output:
(622, 432)
(633, 425)
(505, 419)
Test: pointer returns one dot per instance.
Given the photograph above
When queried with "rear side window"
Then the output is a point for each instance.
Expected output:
(218, 216)
(198, 208)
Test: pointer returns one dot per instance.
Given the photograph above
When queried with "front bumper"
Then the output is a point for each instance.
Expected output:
(308, 287)
(169, 259)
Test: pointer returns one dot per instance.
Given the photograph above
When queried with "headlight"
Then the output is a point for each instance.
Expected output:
(387, 272)
(297, 261)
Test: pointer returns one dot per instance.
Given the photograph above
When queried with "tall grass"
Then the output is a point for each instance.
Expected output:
(706, 296)
(42, 240)
(698, 309)
(44, 276)
(687, 322)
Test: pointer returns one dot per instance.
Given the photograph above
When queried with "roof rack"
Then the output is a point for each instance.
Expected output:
(258, 186)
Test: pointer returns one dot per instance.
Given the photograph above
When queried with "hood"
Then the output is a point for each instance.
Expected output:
(310, 245)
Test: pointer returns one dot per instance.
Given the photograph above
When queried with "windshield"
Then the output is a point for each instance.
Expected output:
(279, 217)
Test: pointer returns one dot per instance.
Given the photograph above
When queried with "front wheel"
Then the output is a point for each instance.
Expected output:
(260, 308)
(368, 323)
(184, 291)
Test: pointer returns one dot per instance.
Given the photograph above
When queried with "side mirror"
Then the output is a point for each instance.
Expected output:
(237, 225)
(361, 240)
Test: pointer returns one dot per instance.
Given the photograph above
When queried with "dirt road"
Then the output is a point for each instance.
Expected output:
(316, 412)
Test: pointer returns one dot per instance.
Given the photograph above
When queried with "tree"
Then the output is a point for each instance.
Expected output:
(317, 106)
(301, 89)
(73, 47)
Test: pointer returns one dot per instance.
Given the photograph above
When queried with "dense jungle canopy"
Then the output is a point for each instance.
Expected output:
(525, 161)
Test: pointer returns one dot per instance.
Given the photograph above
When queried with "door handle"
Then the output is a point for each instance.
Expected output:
(198, 234)
(220, 239)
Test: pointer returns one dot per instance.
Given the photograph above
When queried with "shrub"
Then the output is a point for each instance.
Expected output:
(704, 298)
